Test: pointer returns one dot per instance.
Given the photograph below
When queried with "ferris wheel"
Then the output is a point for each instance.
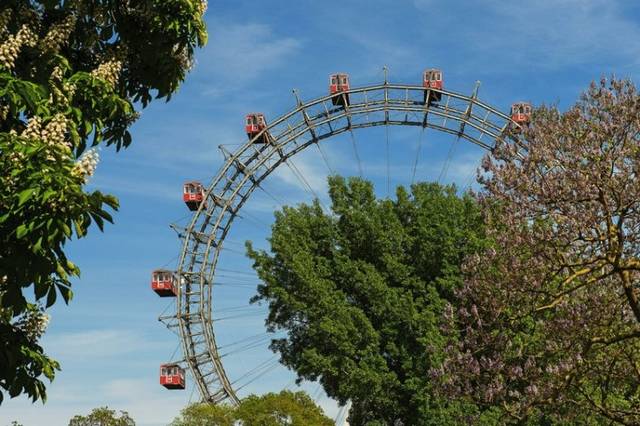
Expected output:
(197, 281)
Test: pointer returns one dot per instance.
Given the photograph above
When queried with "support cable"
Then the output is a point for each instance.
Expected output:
(388, 162)
(447, 163)
(355, 151)
(270, 195)
(418, 151)
(326, 159)
(249, 315)
(243, 340)
(235, 285)
(255, 369)
(304, 181)
(241, 280)
(258, 343)
(269, 369)
(175, 351)
(237, 308)
(237, 271)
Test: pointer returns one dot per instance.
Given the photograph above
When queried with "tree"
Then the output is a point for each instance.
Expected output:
(360, 293)
(551, 318)
(103, 416)
(203, 414)
(72, 74)
(281, 409)
(272, 409)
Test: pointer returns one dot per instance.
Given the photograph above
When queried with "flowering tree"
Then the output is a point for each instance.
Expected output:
(551, 323)
(72, 73)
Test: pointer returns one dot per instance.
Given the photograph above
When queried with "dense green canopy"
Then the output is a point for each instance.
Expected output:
(360, 293)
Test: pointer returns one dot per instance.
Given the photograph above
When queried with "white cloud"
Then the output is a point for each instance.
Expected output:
(144, 188)
(146, 402)
(553, 33)
(542, 34)
(302, 171)
(91, 344)
(142, 400)
(240, 53)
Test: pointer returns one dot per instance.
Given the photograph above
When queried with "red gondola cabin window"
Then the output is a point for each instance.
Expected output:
(521, 112)
(193, 195)
(172, 376)
(254, 124)
(163, 282)
(338, 83)
(432, 79)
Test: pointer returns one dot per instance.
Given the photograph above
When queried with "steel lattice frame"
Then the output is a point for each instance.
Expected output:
(386, 104)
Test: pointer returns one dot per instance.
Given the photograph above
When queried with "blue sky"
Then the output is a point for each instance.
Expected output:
(109, 341)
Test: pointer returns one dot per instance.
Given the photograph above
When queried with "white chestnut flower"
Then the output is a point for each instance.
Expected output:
(86, 165)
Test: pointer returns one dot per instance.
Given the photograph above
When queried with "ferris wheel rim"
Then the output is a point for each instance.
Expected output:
(204, 237)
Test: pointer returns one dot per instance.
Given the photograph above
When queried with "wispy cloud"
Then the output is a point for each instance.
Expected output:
(545, 34)
(303, 172)
(240, 53)
(91, 344)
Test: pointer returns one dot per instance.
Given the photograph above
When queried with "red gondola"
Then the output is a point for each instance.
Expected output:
(172, 376)
(338, 86)
(254, 124)
(432, 79)
(193, 195)
(163, 282)
(521, 113)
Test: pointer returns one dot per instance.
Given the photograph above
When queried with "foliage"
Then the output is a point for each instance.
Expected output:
(19, 366)
(284, 408)
(360, 293)
(103, 416)
(203, 414)
(551, 318)
(71, 75)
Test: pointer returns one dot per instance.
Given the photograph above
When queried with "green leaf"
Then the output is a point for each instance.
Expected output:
(38, 245)
(25, 195)
(66, 293)
(21, 231)
(66, 229)
(48, 194)
(126, 139)
(40, 289)
(51, 296)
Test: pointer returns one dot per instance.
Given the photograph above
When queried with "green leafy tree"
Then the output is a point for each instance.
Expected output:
(72, 74)
(280, 409)
(272, 409)
(360, 293)
(103, 416)
(203, 414)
